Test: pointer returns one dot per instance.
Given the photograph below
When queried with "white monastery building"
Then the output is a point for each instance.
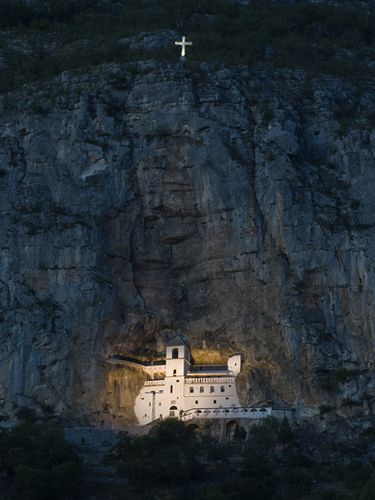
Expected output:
(185, 387)
(178, 388)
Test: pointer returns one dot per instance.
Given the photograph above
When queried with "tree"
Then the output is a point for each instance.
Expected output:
(285, 434)
(264, 435)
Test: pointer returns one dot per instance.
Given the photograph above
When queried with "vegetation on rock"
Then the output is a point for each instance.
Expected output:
(43, 39)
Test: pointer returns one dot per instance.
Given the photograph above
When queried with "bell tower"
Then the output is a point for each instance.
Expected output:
(177, 358)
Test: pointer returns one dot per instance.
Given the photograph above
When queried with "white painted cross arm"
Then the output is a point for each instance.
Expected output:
(183, 44)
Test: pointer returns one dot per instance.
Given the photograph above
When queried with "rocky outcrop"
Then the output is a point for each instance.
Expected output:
(236, 207)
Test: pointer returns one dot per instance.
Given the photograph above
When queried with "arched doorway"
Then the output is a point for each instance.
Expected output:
(173, 411)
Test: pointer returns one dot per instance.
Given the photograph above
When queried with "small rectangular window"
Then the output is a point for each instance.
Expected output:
(222, 389)
(201, 389)
(196, 402)
(214, 401)
(171, 389)
(212, 388)
(191, 390)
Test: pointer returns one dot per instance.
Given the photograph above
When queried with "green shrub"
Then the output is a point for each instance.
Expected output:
(41, 464)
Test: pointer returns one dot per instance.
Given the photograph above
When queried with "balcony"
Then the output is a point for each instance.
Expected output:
(248, 413)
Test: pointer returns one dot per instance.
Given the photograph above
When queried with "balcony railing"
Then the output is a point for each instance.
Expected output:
(207, 380)
(249, 413)
(150, 383)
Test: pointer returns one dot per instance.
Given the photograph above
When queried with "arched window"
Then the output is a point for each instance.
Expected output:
(172, 411)
(175, 353)
(174, 372)
(212, 388)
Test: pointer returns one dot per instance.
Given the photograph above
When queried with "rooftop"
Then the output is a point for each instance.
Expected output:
(175, 341)
(118, 359)
(209, 368)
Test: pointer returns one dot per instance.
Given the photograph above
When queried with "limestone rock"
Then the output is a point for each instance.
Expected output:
(237, 208)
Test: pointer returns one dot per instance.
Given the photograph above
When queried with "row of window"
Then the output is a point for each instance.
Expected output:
(201, 389)
(212, 389)
(191, 389)
(196, 402)
(214, 401)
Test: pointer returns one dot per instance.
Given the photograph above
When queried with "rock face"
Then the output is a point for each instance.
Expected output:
(235, 208)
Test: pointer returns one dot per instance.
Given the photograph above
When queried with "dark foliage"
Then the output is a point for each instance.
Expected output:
(173, 462)
(167, 456)
(20, 13)
(337, 40)
(39, 464)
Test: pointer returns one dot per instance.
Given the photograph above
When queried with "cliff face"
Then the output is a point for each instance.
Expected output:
(236, 208)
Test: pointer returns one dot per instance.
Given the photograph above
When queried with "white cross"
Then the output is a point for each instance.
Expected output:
(183, 44)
